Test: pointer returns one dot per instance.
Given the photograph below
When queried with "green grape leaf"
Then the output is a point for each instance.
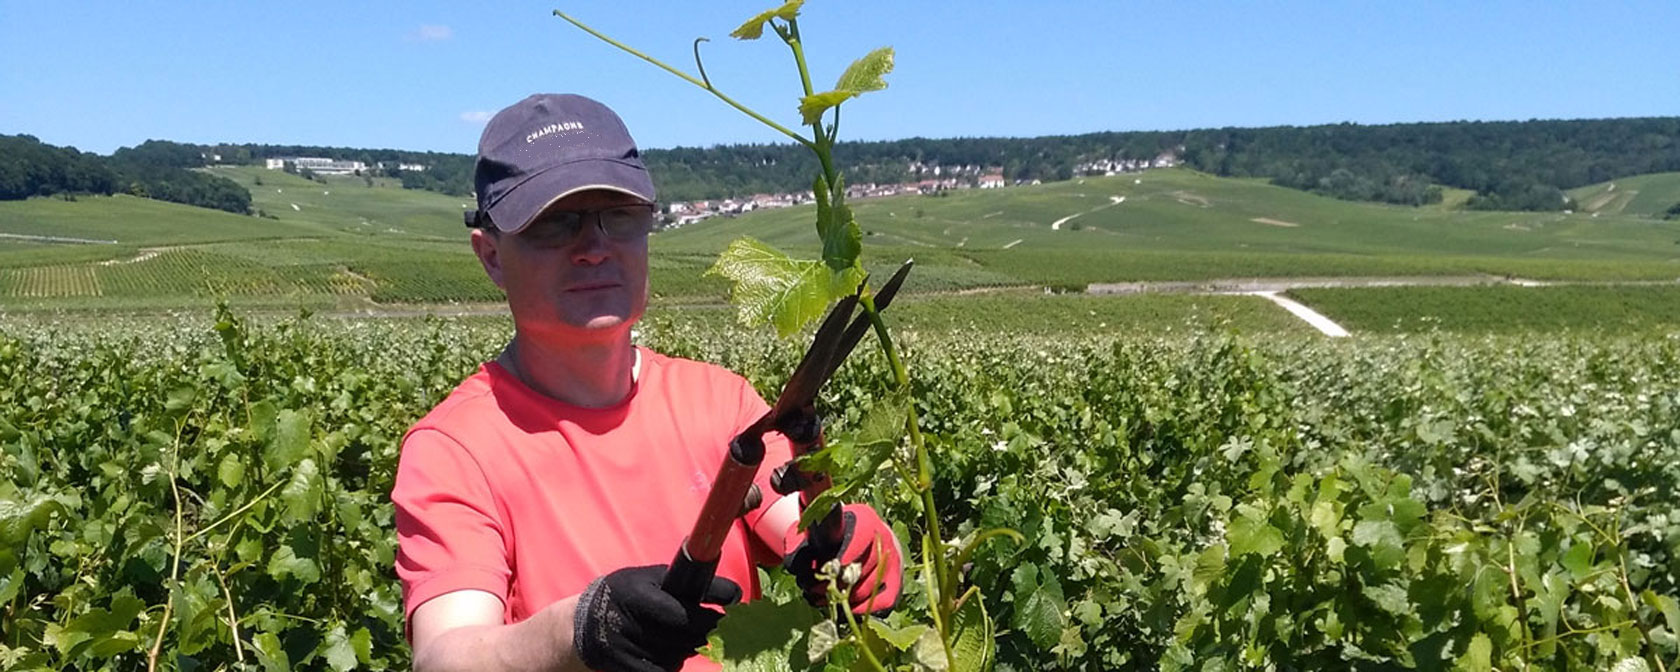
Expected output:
(1336, 550)
(102, 625)
(19, 519)
(842, 239)
(862, 76)
(859, 455)
(290, 440)
(1478, 657)
(1390, 598)
(361, 641)
(1631, 664)
(762, 636)
(881, 430)
(1372, 533)
(339, 653)
(900, 638)
(823, 636)
(64, 638)
(973, 641)
(231, 470)
(300, 494)
(929, 652)
(285, 562)
(1578, 559)
(263, 416)
(785, 292)
(1024, 579)
(225, 373)
(249, 550)
(754, 27)
(270, 653)
(11, 585)
(1665, 605)
(113, 643)
(1038, 606)
(825, 502)
(180, 399)
(1248, 535)
(868, 73)
(1210, 567)
(1089, 612)
(812, 107)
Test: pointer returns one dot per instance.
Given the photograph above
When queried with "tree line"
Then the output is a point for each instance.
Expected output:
(1514, 165)
(1509, 165)
(154, 169)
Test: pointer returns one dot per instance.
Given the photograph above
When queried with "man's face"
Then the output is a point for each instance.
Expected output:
(584, 286)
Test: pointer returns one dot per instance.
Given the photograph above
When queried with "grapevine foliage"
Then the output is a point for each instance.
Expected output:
(1203, 502)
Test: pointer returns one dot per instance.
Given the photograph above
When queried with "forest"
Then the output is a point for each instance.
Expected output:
(154, 169)
(1509, 165)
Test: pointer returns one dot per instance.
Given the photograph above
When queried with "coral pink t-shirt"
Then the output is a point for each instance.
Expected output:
(504, 490)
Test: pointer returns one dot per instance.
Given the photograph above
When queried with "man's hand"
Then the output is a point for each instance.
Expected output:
(625, 623)
(866, 542)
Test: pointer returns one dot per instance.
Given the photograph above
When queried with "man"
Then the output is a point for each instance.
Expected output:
(537, 504)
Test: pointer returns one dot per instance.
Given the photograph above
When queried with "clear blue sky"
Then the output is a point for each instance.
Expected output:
(422, 75)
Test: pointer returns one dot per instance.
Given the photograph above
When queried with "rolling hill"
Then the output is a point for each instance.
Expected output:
(347, 243)
(1640, 195)
(1182, 225)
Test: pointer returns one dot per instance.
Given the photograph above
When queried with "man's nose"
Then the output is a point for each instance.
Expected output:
(591, 245)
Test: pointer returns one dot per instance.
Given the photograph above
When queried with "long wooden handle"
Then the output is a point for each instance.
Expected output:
(696, 561)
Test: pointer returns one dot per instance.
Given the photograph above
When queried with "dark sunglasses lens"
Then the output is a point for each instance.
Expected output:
(627, 222)
(557, 226)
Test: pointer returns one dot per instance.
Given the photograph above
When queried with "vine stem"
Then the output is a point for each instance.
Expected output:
(688, 78)
(946, 604)
(233, 617)
(1632, 600)
(1516, 589)
(836, 597)
(237, 511)
(175, 560)
(791, 37)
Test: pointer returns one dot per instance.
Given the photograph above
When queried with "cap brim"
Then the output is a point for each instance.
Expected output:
(523, 203)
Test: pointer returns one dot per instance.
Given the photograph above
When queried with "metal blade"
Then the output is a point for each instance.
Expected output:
(801, 388)
(861, 325)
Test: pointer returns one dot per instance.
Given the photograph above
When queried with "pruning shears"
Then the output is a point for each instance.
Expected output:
(794, 415)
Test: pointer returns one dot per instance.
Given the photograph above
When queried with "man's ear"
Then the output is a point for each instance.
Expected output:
(484, 245)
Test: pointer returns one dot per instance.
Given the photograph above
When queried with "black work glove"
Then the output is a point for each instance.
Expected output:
(625, 623)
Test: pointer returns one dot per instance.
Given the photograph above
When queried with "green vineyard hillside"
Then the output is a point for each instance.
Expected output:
(365, 244)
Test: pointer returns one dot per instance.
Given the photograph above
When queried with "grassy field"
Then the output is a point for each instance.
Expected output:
(335, 244)
(129, 220)
(1176, 224)
(347, 204)
(1502, 309)
(343, 243)
(1641, 195)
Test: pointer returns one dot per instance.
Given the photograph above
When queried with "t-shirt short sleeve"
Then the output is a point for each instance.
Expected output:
(449, 530)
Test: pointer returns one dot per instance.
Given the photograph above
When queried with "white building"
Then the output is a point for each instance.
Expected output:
(318, 165)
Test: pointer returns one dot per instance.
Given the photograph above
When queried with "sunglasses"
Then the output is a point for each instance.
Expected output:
(620, 223)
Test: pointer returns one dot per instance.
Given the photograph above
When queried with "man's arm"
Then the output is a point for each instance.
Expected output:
(463, 630)
(623, 622)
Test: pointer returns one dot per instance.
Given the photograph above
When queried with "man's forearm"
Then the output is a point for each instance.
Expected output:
(542, 642)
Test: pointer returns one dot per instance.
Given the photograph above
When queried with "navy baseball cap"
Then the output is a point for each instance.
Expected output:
(550, 146)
